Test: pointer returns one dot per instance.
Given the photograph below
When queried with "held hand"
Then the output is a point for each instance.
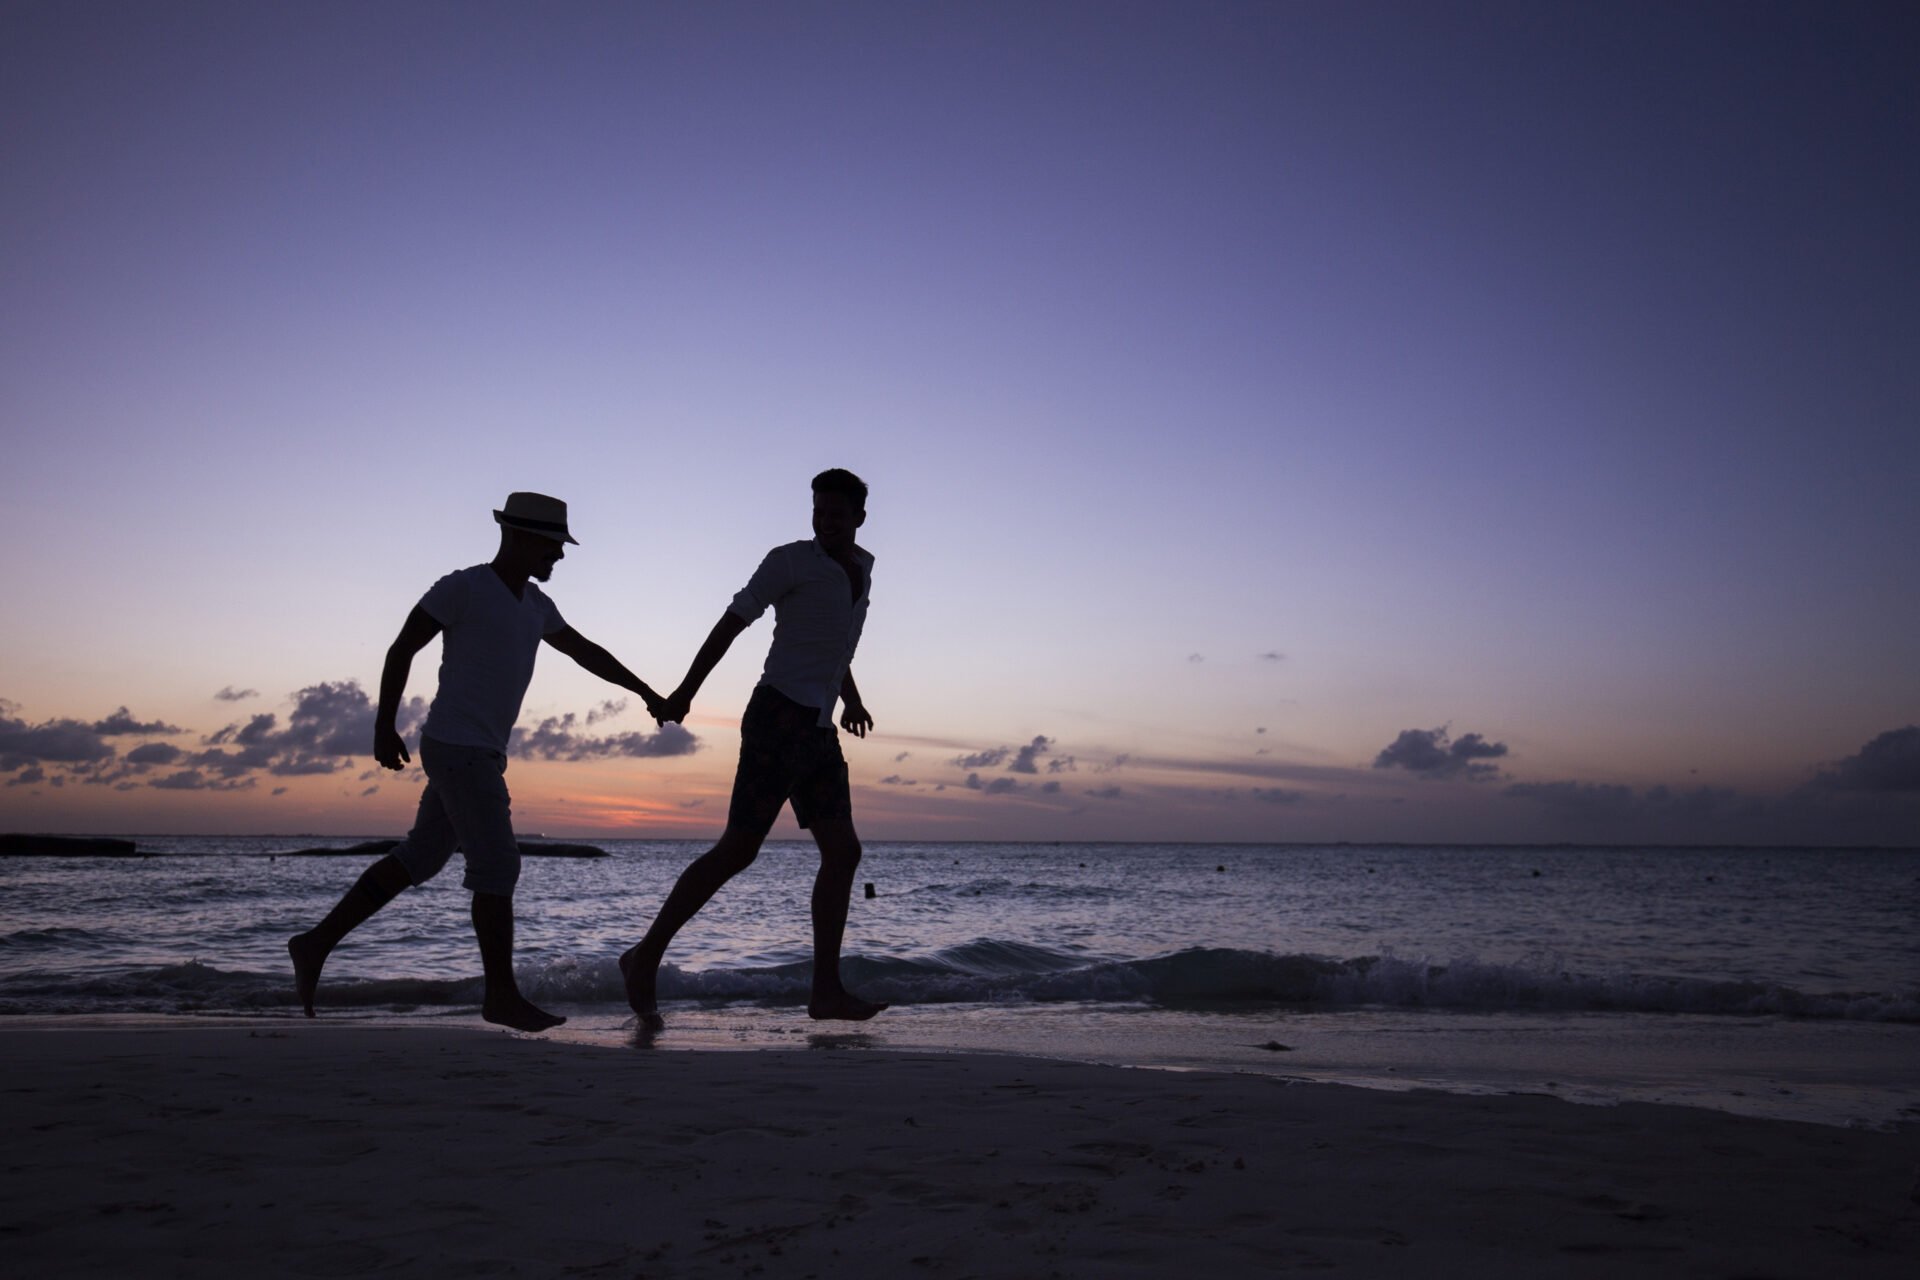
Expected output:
(855, 720)
(656, 707)
(674, 708)
(389, 749)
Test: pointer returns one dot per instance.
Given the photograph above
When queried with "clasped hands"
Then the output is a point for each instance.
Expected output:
(673, 708)
(669, 710)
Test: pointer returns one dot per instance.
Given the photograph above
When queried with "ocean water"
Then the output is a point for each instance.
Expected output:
(1768, 981)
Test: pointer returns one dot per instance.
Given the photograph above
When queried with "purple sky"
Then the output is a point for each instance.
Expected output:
(1243, 386)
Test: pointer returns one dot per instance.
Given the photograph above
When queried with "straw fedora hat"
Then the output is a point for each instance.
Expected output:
(536, 513)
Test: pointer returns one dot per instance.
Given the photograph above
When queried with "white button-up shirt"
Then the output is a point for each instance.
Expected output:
(816, 621)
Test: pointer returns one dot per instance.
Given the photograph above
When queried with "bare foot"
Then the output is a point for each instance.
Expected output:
(841, 1006)
(640, 990)
(307, 959)
(518, 1012)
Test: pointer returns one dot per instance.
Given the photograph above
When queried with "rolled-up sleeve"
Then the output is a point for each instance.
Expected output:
(773, 579)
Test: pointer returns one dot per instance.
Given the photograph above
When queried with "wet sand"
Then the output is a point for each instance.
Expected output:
(333, 1149)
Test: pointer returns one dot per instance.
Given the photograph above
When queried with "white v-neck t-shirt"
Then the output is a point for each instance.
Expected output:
(487, 646)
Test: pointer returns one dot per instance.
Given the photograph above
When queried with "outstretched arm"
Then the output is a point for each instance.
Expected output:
(388, 748)
(853, 713)
(599, 662)
(680, 701)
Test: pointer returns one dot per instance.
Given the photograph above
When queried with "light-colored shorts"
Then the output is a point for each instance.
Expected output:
(464, 807)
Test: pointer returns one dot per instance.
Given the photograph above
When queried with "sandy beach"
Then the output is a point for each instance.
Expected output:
(317, 1149)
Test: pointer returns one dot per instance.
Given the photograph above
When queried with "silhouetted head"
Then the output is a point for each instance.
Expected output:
(839, 507)
(533, 533)
(529, 553)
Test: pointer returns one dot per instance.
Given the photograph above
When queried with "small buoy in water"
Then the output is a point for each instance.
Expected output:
(870, 888)
(1219, 868)
(1536, 873)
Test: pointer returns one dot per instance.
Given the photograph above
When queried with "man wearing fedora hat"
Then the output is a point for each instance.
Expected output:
(492, 619)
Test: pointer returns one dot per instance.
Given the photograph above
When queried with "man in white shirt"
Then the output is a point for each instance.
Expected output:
(789, 751)
(492, 619)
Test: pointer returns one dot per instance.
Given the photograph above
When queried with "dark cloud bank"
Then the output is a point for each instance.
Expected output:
(329, 728)
(1871, 797)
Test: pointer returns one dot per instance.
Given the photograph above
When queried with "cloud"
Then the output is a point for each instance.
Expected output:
(1050, 788)
(122, 721)
(1275, 795)
(902, 756)
(68, 742)
(331, 723)
(28, 776)
(1429, 754)
(1023, 760)
(1105, 793)
(994, 786)
(1196, 657)
(895, 780)
(1063, 764)
(260, 723)
(194, 780)
(1273, 655)
(607, 710)
(292, 766)
(333, 719)
(555, 739)
(231, 694)
(983, 759)
(1889, 763)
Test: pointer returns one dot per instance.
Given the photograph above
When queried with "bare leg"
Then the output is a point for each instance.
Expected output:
(378, 885)
(503, 1003)
(640, 966)
(832, 887)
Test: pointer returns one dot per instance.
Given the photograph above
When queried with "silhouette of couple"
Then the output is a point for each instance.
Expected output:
(492, 619)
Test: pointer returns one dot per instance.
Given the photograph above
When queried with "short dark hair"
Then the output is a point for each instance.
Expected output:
(840, 480)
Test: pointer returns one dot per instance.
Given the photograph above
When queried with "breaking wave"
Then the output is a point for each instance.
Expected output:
(993, 971)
